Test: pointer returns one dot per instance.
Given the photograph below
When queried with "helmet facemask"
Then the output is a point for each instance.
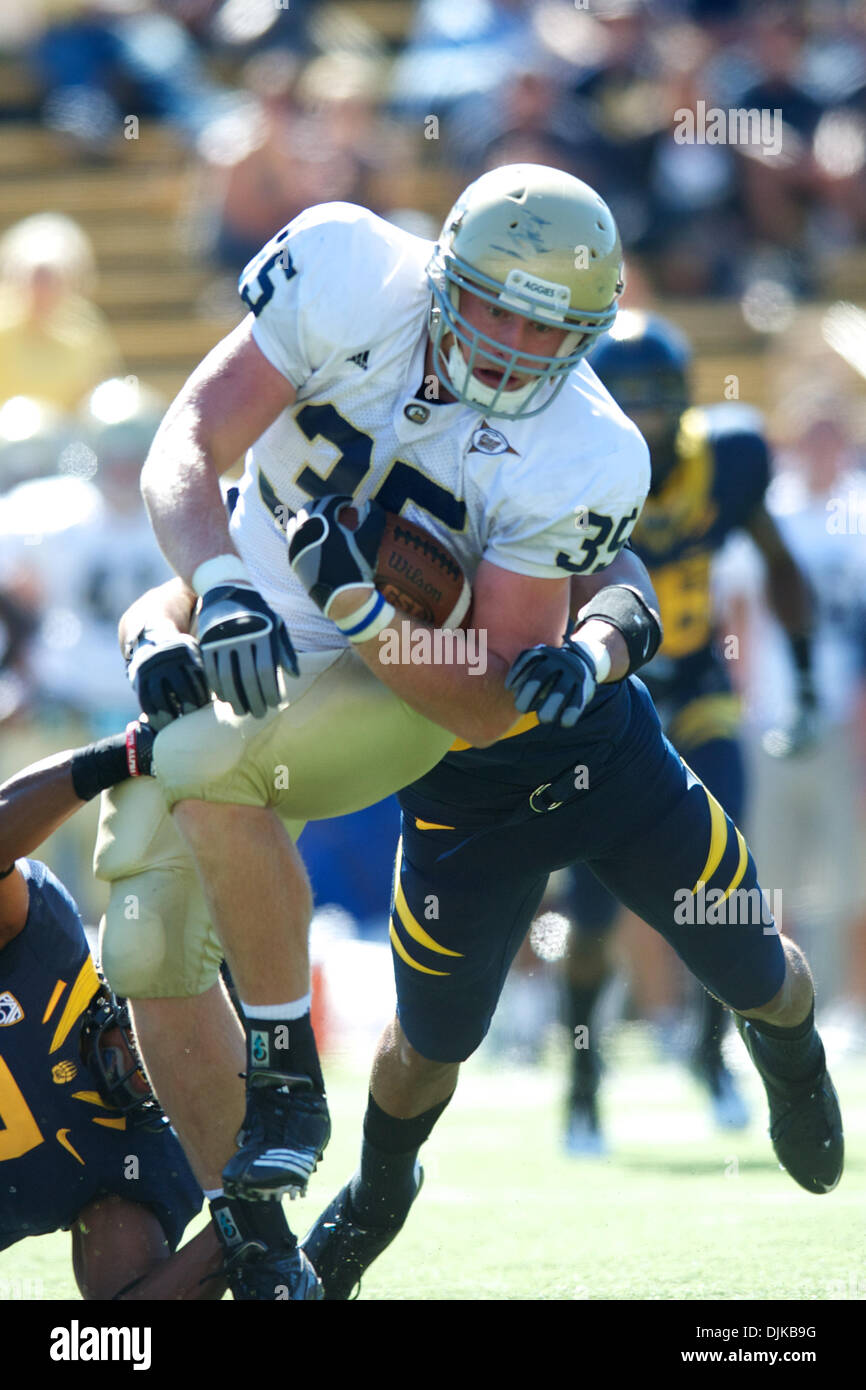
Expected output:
(119, 1072)
(547, 303)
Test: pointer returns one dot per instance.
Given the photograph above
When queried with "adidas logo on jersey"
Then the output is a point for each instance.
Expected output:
(360, 359)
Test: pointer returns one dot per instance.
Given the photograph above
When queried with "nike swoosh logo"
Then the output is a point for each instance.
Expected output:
(61, 1139)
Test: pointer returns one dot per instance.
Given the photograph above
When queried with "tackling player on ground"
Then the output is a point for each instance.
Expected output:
(83, 1145)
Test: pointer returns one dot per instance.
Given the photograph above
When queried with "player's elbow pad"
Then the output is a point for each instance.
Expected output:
(626, 609)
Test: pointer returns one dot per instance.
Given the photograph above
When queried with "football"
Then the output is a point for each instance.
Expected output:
(418, 574)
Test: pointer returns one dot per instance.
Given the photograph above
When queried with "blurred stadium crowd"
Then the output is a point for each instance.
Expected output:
(147, 150)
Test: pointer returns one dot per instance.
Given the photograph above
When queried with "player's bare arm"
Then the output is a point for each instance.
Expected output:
(33, 804)
(165, 611)
(119, 1251)
(627, 568)
(40, 798)
(336, 559)
(618, 631)
(791, 600)
(227, 403)
(523, 612)
(787, 587)
(514, 611)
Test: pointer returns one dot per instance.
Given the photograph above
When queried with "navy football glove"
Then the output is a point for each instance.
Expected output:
(244, 644)
(168, 678)
(326, 556)
(556, 682)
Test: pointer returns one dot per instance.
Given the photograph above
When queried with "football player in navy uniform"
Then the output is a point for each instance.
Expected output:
(710, 470)
(586, 774)
(83, 1145)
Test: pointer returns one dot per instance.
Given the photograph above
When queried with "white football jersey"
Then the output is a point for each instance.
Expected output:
(825, 537)
(341, 300)
(83, 564)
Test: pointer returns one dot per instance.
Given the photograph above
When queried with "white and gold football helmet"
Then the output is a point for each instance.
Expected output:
(539, 243)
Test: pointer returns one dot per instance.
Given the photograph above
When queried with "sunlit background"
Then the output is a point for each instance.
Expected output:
(146, 153)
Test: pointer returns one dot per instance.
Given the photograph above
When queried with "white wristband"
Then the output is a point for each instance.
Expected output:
(369, 620)
(599, 654)
(221, 569)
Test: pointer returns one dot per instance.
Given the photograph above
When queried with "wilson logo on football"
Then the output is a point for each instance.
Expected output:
(10, 1010)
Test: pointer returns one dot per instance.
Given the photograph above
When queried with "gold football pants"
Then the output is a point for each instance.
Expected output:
(341, 742)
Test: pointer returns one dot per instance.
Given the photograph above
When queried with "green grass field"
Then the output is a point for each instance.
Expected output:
(677, 1211)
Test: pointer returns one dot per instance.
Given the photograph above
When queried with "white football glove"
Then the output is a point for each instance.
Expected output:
(244, 644)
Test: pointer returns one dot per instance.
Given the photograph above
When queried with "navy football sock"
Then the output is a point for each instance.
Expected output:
(581, 1001)
(711, 1027)
(384, 1187)
(237, 1221)
(287, 1045)
(789, 1054)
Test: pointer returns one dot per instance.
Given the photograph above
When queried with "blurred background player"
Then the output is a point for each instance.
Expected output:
(806, 817)
(54, 342)
(83, 1145)
(33, 435)
(710, 471)
(76, 550)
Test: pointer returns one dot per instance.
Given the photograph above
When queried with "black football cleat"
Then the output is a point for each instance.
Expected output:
(342, 1251)
(805, 1122)
(257, 1273)
(285, 1131)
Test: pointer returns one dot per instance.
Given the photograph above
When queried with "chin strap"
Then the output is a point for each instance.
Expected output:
(479, 394)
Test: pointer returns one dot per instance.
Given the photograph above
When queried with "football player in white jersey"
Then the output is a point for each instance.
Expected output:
(369, 366)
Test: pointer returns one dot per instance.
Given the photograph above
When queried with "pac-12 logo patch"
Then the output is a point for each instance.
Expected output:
(10, 1010)
(487, 440)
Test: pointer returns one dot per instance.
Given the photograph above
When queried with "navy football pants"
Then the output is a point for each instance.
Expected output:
(650, 832)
